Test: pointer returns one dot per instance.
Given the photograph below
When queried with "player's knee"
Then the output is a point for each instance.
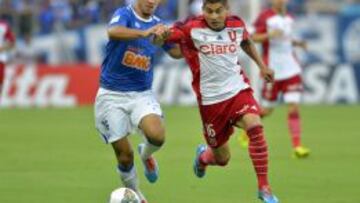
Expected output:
(251, 120)
(156, 136)
(156, 141)
(125, 158)
(293, 109)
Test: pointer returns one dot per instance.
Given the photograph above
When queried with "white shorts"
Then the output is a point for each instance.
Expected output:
(118, 114)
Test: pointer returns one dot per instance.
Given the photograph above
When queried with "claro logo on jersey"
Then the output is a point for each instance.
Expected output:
(137, 61)
(215, 49)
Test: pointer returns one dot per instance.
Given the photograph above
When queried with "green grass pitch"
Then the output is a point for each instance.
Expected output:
(56, 156)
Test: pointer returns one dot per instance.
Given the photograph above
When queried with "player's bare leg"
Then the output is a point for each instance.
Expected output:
(258, 153)
(154, 131)
(210, 156)
(294, 125)
(126, 168)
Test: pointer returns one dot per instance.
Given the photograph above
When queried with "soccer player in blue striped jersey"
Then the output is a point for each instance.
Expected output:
(125, 100)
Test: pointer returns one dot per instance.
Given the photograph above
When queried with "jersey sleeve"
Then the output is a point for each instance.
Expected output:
(177, 33)
(260, 24)
(246, 34)
(120, 18)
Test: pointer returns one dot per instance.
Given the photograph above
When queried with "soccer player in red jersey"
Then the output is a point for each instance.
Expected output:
(211, 44)
(274, 30)
(7, 42)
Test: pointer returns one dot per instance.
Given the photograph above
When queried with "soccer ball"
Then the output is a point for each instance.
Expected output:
(124, 195)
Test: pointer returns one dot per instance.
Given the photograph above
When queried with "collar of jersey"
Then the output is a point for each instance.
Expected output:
(139, 17)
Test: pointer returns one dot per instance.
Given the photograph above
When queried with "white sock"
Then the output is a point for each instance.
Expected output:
(148, 150)
(129, 178)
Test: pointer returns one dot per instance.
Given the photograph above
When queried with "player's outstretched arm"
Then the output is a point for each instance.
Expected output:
(170, 36)
(251, 51)
(123, 33)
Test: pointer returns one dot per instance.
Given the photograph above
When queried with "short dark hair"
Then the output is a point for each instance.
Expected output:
(225, 2)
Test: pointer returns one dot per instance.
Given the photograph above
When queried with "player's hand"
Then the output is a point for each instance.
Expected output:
(277, 33)
(153, 30)
(158, 40)
(267, 74)
(160, 35)
(161, 30)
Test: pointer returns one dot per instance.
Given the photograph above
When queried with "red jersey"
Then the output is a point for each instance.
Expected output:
(213, 57)
(6, 35)
(278, 53)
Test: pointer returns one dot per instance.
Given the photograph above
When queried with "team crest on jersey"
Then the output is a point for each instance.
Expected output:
(137, 61)
(115, 19)
(137, 25)
(232, 35)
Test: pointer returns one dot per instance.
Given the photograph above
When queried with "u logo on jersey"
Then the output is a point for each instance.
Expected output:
(232, 35)
(137, 61)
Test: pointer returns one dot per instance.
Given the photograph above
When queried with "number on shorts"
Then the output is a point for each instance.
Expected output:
(210, 130)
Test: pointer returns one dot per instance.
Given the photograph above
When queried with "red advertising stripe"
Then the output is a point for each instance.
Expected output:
(83, 80)
(47, 85)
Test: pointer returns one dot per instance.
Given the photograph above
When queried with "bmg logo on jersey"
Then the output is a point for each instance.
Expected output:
(137, 61)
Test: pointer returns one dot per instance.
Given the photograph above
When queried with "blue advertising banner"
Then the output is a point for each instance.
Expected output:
(348, 38)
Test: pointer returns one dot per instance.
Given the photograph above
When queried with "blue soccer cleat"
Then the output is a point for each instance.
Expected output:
(198, 170)
(150, 165)
(267, 197)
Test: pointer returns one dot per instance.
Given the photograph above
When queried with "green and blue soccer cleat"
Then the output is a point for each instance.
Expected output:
(267, 197)
(150, 165)
(198, 170)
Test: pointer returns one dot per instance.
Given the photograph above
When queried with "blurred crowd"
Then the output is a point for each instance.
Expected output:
(45, 16)
(29, 18)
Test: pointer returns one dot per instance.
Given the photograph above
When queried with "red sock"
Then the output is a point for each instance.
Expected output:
(207, 158)
(294, 125)
(259, 154)
(2, 75)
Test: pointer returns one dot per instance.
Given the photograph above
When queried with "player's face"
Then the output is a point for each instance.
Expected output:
(280, 3)
(215, 15)
(148, 7)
